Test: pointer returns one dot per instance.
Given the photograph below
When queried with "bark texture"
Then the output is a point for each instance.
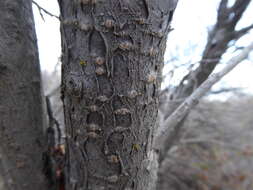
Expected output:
(21, 121)
(112, 61)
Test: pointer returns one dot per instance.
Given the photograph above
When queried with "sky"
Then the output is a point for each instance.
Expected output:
(191, 21)
(48, 35)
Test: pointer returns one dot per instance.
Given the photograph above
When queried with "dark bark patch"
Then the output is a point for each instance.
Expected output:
(95, 118)
(105, 86)
(97, 44)
(120, 74)
(123, 120)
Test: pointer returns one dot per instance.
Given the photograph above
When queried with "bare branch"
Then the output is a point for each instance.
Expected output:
(222, 10)
(238, 9)
(238, 34)
(224, 90)
(53, 123)
(171, 123)
(221, 35)
(54, 91)
(41, 9)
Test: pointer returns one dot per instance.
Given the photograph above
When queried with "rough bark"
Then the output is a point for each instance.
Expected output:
(112, 61)
(21, 121)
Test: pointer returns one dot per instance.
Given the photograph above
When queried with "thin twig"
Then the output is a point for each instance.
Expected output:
(44, 10)
(52, 121)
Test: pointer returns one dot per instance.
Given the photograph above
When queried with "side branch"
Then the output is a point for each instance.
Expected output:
(171, 123)
(243, 31)
(44, 10)
(53, 123)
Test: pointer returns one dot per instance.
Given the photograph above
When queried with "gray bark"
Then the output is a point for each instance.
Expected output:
(21, 121)
(112, 61)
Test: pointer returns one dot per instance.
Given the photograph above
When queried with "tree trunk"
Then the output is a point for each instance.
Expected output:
(21, 121)
(112, 61)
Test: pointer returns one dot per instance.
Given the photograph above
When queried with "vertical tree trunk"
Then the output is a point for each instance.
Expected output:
(21, 121)
(112, 61)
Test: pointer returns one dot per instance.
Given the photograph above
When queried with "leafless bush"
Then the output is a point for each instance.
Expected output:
(216, 150)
